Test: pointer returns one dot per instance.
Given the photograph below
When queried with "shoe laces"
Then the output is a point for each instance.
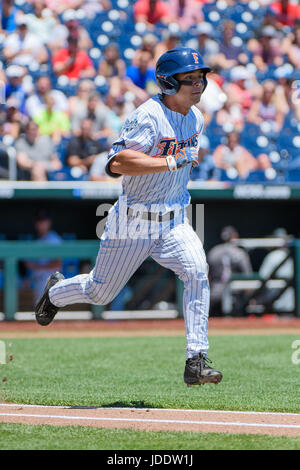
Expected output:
(201, 361)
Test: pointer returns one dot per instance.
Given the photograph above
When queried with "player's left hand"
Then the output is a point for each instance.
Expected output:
(182, 158)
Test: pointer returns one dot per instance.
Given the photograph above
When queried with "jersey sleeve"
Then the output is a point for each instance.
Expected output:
(138, 133)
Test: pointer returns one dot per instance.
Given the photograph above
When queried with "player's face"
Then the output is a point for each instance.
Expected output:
(191, 93)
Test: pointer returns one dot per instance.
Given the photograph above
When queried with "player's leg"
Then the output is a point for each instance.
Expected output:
(116, 262)
(181, 251)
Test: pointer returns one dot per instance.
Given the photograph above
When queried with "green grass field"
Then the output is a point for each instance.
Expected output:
(25, 437)
(148, 372)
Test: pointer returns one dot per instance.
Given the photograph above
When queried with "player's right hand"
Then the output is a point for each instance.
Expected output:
(182, 158)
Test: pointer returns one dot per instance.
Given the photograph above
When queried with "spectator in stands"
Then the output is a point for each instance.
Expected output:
(41, 268)
(224, 260)
(269, 19)
(9, 15)
(24, 48)
(149, 44)
(97, 170)
(285, 91)
(118, 114)
(170, 40)
(59, 6)
(56, 124)
(229, 55)
(92, 7)
(80, 100)
(268, 51)
(73, 28)
(97, 112)
(286, 11)
(36, 102)
(70, 27)
(41, 22)
(83, 149)
(186, 13)
(126, 89)
(206, 170)
(232, 155)
(14, 120)
(14, 86)
(112, 65)
(73, 62)
(151, 12)
(239, 86)
(35, 154)
(267, 107)
(142, 75)
(203, 42)
(125, 86)
(214, 97)
(293, 52)
(231, 114)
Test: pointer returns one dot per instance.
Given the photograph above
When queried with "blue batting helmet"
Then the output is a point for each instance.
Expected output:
(178, 60)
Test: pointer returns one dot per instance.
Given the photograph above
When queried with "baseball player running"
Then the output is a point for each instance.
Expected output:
(157, 148)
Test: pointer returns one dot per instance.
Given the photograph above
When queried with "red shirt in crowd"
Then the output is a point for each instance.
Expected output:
(160, 11)
(82, 61)
(289, 18)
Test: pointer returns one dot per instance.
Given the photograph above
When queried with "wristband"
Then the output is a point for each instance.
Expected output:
(171, 162)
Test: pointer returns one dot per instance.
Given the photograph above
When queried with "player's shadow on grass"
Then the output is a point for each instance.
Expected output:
(129, 404)
(118, 404)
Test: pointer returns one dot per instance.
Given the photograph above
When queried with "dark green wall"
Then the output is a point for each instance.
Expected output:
(251, 218)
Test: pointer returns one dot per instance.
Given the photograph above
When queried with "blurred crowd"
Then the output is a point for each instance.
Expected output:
(72, 70)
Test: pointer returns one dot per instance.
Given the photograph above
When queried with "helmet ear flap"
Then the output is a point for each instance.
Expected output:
(168, 85)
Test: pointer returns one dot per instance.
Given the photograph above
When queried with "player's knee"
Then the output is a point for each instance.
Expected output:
(99, 293)
(196, 273)
(103, 298)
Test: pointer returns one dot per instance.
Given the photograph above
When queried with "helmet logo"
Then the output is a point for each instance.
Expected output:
(196, 58)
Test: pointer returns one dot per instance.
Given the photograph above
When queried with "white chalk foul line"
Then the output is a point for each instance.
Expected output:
(264, 413)
(161, 421)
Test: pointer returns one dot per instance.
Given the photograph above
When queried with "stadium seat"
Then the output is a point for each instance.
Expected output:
(294, 164)
(227, 175)
(61, 149)
(293, 176)
(68, 174)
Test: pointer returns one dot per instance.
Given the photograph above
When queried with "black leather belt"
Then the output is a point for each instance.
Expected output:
(152, 216)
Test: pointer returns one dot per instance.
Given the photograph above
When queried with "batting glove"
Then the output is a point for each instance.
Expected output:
(182, 158)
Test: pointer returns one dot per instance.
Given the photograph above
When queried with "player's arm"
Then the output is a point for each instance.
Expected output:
(134, 163)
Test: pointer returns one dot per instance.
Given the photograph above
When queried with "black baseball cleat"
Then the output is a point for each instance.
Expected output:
(45, 311)
(198, 372)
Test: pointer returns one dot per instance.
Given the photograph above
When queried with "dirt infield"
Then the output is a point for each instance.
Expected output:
(281, 424)
(284, 424)
(268, 324)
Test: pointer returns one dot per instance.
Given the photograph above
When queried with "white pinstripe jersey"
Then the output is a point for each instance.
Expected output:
(157, 131)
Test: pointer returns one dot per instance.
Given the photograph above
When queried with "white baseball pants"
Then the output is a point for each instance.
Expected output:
(179, 249)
